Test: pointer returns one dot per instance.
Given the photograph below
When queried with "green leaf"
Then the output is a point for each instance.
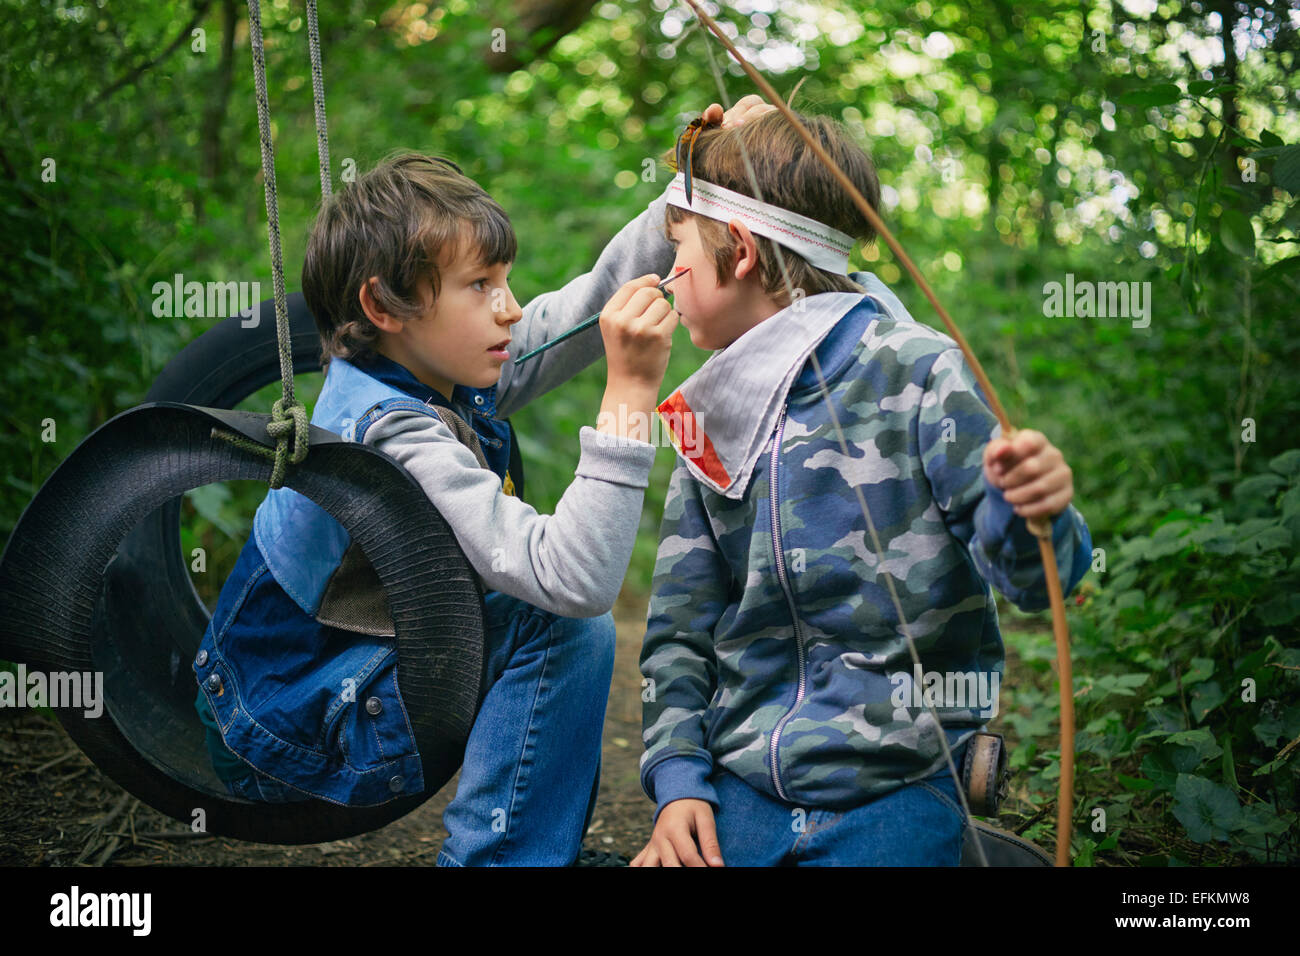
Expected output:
(1202, 741)
(1273, 764)
(1260, 487)
(1267, 539)
(1287, 464)
(1260, 818)
(1134, 783)
(1163, 765)
(1130, 599)
(1286, 171)
(1084, 856)
(1281, 609)
(1229, 766)
(1281, 269)
(1269, 138)
(1204, 699)
(1237, 234)
(1202, 668)
(1291, 502)
(1207, 810)
(1159, 94)
(209, 502)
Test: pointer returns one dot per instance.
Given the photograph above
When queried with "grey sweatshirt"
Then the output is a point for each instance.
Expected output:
(572, 562)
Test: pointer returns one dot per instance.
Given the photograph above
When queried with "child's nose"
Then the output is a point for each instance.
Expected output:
(513, 311)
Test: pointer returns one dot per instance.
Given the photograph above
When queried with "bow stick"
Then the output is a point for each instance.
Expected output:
(1040, 526)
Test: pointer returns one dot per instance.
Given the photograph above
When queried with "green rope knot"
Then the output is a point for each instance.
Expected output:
(282, 424)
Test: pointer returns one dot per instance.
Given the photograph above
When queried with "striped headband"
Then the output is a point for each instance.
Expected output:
(818, 243)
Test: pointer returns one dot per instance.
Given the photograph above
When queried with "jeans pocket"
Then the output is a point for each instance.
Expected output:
(938, 792)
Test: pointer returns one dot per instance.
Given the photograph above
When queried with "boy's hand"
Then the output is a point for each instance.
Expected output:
(1031, 472)
(637, 325)
(747, 108)
(680, 825)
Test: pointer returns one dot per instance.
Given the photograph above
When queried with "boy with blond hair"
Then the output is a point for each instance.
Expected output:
(781, 723)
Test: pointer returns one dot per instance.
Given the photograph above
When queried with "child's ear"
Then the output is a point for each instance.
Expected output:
(377, 316)
(745, 254)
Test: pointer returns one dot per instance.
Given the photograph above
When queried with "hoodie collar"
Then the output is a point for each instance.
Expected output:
(721, 417)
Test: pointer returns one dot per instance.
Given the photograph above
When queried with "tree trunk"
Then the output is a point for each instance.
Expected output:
(214, 116)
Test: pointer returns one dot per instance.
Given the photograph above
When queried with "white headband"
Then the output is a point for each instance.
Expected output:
(818, 243)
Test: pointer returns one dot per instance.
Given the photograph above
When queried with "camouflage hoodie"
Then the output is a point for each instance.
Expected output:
(773, 648)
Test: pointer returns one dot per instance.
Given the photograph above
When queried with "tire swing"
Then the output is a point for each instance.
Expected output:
(92, 579)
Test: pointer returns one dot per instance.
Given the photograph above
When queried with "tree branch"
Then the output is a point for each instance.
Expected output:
(200, 10)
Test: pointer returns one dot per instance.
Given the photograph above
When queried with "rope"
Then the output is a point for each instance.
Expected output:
(288, 416)
(844, 449)
(318, 101)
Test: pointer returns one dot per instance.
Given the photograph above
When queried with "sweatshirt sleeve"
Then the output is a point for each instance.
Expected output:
(571, 563)
(688, 597)
(955, 425)
(639, 248)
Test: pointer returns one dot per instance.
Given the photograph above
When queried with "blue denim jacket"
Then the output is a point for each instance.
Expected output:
(294, 692)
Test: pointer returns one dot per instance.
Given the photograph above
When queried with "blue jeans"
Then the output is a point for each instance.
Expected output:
(917, 825)
(532, 765)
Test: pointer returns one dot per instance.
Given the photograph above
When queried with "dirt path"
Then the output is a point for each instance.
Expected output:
(57, 809)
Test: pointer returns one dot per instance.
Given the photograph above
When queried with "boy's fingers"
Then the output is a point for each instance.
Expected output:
(666, 855)
(708, 831)
(997, 452)
(684, 845)
(655, 312)
(645, 299)
(1052, 505)
(1028, 442)
(1032, 468)
(628, 289)
(667, 324)
(1052, 482)
(745, 109)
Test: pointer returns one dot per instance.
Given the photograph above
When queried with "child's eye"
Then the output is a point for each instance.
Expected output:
(477, 282)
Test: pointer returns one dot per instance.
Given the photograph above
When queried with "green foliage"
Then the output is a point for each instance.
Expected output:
(1188, 679)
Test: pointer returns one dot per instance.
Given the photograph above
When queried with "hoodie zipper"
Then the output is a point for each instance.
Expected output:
(779, 552)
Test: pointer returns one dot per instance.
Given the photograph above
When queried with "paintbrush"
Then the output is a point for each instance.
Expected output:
(587, 323)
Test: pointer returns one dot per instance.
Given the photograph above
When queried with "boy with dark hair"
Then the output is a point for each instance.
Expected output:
(406, 274)
(783, 720)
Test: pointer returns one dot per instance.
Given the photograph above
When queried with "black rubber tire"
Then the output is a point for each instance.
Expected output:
(220, 369)
(70, 599)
